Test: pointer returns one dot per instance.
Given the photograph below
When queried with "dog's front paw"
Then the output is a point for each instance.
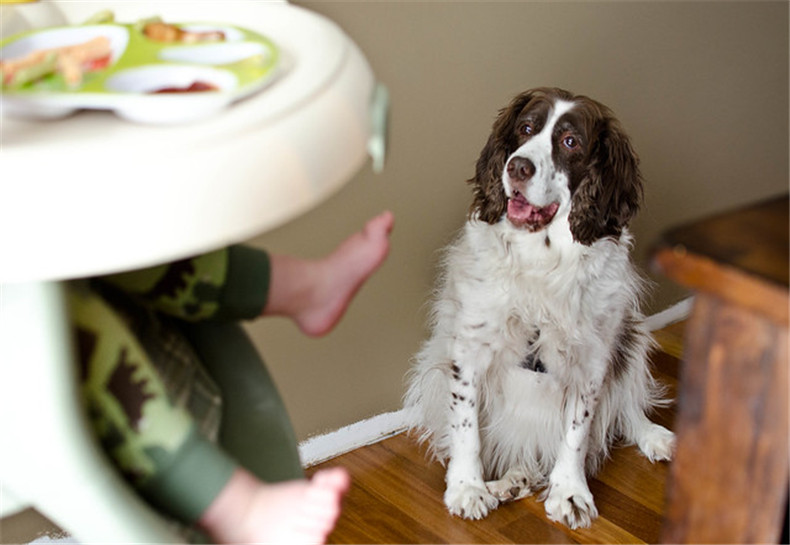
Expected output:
(657, 443)
(571, 504)
(514, 485)
(469, 501)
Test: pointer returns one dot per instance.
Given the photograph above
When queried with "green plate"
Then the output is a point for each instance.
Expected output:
(241, 64)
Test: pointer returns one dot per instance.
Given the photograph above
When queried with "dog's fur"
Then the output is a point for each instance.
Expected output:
(538, 356)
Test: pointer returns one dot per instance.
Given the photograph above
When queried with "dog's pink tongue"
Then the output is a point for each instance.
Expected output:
(519, 210)
(521, 213)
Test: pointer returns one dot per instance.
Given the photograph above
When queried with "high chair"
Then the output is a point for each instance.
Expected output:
(246, 169)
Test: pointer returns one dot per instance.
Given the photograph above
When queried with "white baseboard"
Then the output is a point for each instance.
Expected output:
(324, 447)
(321, 448)
(677, 312)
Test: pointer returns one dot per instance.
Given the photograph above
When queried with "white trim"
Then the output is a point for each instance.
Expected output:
(321, 448)
(677, 312)
(324, 447)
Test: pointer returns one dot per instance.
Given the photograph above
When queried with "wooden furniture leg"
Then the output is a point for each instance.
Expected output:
(729, 480)
(732, 432)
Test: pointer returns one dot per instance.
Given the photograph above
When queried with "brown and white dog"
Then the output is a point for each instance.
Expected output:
(537, 360)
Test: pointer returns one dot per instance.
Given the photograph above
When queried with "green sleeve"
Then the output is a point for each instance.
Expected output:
(246, 289)
(188, 480)
(229, 284)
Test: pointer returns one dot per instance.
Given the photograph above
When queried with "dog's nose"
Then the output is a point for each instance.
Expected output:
(520, 169)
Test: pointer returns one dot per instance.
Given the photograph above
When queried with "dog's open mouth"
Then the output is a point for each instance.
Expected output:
(522, 213)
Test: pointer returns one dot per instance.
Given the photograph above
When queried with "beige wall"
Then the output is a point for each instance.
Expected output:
(701, 87)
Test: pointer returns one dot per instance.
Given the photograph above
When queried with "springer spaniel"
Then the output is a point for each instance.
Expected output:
(537, 358)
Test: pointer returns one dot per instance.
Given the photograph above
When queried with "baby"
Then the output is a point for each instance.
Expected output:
(125, 323)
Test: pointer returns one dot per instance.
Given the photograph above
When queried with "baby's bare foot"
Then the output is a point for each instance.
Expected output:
(290, 512)
(316, 293)
(343, 272)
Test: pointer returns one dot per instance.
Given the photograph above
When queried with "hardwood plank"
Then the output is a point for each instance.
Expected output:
(531, 528)
(367, 522)
(625, 513)
(602, 530)
(629, 473)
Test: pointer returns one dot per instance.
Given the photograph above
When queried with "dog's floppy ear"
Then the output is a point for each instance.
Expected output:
(611, 192)
(490, 201)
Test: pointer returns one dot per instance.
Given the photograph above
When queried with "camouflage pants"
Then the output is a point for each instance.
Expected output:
(153, 405)
(154, 417)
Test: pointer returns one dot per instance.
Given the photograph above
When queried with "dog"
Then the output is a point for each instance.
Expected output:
(537, 359)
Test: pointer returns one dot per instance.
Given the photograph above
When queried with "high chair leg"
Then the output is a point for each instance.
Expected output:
(49, 455)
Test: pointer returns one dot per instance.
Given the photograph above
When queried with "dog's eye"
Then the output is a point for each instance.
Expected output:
(570, 142)
(527, 129)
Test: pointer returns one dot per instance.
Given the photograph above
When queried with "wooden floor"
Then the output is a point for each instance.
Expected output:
(396, 495)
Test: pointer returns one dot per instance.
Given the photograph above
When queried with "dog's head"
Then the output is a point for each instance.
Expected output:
(549, 151)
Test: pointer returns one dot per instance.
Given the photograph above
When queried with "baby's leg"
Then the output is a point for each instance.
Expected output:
(291, 512)
(256, 430)
(177, 469)
(316, 293)
(153, 442)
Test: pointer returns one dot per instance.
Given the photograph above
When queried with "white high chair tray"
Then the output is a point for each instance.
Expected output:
(92, 193)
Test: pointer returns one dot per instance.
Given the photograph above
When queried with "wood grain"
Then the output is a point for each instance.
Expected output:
(752, 239)
(729, 480)
(733, 434)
